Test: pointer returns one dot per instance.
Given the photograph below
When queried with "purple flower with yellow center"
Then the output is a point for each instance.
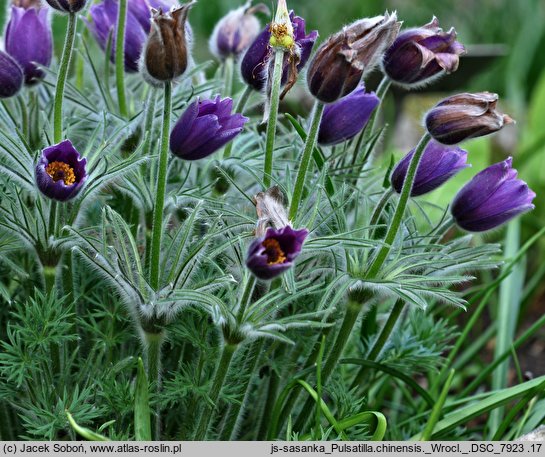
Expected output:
(491, 198)
(29, 41)
(273, 254)
(205, 126)
(439, 163)
(419, 55)
(254, 65)
(464, 116)
(345, 118)
(11, 76)
(61, 172)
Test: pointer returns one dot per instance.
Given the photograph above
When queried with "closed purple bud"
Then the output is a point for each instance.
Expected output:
(236, 31)
(166, 53)
(439, 163)
(340, 62)
(273, 254)
(11, 76)
(29, 41)
(61, 172)
(205, 127)
(345, 118)
(464, 116)
(491, 198)
(67, 6)
(419, 55)
(103, 26)
(254, 65)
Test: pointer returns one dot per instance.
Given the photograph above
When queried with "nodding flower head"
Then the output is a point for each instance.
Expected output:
(67, 6)
(61, 171)
(274, 253)
(491, 198)
(29, 41)
(422, 54)
(11, 76)
(236, 31)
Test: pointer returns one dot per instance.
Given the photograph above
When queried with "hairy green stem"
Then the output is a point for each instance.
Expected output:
(241, 104)
(24, 115)
(219, 378)
(153, 343)
(273, 117)
(310, 143)
(161, 191)
(120, 58)
(62, 75)
(272, 388)
(375, 217)
(49, 278)
(228, 67)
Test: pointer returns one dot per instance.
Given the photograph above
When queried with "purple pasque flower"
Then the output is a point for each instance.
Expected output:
(439, 163)
(236, 31)
(29, 41)
(345, 118)
(67, 6)
(491, 198)
(140, 9)
(61, 172)
(464, 116)
(205, 126)
(11, 76)
(254, 65)
(274, 253)
(421, 54)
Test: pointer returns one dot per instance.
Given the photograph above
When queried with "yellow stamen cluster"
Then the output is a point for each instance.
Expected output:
(275, 255)
(281, 36)
(61, 171)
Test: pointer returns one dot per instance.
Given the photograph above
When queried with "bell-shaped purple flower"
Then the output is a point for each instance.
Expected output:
(464, 116)
(11, 76)
(61, 171)
(491, 198)
(67, 6)
(273, 254)
(205, 127)
(345, 118)
(422, 54)
(29, 41)
(254, 65)
(439, 163)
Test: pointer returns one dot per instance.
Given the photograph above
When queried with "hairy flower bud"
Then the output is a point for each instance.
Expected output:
(422, 54)
(166, 53)
(11, 76)
(464, 116)
(491, 198)
(340, 62)
(67, 6)
(439, 163)
(29, 41)
(236, 31)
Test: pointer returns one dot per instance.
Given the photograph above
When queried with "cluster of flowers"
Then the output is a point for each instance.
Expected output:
(159, 47)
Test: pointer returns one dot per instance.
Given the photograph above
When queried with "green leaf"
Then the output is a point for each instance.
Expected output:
(89, 435)
(142, 422)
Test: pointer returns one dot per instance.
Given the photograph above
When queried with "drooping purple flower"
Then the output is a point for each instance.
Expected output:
(439, 163)
(345, 118)
(11, 76)
(67, 6)
(273, 254)
(29, 41)
(491, 198)
(464, 116)
(254, 65)
(205, 127)
(345, 57)
(61, 171)
(421, 54)
(236, 31)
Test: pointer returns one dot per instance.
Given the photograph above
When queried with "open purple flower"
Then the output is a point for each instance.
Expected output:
(345, 118)
(439, 163)
(61, 172)
(491, 198)
(271, 255)
(421, 54)
(254, 64)
(205, 126)
(11, 76)
(29, 41)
